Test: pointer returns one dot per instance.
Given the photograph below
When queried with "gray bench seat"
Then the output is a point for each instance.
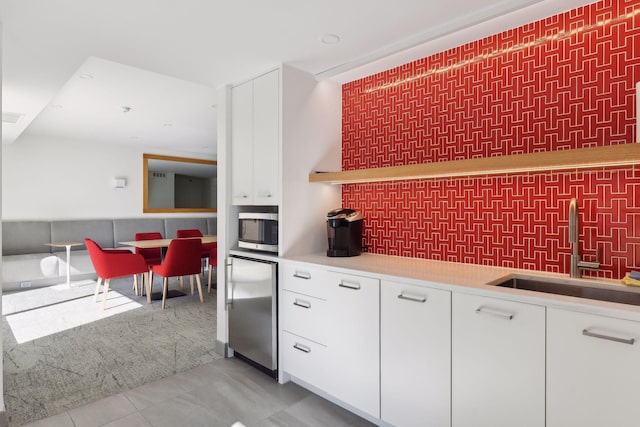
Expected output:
(28, 262)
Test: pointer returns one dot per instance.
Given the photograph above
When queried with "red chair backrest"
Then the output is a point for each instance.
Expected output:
(182, 258)
(114, 264)
(150, 254)
(193, 232)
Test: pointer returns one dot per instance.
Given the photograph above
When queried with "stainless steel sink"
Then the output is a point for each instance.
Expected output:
(602, 292)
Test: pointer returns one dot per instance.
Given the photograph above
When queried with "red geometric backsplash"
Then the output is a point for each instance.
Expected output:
(565, 82)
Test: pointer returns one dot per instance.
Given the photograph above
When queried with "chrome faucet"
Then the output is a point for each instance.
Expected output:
(577, 265)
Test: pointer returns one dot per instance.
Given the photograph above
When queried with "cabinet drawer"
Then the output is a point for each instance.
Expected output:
(305, 316)
(302, 279)
(305, 359)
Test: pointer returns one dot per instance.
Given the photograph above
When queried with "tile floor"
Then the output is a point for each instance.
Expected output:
(216, 394)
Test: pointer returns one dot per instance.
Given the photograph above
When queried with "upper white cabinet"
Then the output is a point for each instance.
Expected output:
(593, 375)
(498, 363)
(255, 136)
(415, 355)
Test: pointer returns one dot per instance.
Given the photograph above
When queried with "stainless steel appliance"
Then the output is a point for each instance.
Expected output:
(258, 231)
(252, 311)
(344, 232)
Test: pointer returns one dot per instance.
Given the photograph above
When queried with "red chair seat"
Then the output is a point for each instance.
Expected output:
(113, 263)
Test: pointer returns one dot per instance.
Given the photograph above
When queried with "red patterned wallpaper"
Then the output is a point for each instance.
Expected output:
(565, 82)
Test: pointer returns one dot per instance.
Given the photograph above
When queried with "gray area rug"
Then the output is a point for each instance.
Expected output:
(62, 352)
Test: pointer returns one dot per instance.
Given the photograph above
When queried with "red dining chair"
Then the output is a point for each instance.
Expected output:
(194, 232)
(153, 256)
(213, 263)
(113, 263)
(182, 259)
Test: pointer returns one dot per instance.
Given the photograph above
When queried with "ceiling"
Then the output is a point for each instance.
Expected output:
(146, 72)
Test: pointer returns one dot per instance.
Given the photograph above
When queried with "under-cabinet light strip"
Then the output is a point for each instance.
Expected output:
(580, 158)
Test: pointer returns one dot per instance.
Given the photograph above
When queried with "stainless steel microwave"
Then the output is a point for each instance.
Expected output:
(258, 231)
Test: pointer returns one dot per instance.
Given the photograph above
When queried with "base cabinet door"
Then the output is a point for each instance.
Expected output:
(498, 363)
(415, 355)
(353, 341)
(593, 370)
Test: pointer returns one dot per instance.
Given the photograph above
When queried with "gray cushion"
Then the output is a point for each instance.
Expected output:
(126, 229)
(212, 226)
(28, 267)
(171, 225)
(97, 229)
(25, 237)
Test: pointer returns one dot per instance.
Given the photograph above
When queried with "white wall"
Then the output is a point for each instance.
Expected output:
(311, 141)
(56, 179)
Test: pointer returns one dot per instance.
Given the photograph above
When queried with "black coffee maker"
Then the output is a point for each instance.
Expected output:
(344, 230)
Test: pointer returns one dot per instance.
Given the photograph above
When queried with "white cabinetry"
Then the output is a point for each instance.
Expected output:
(304, 317)
(498, 362)
(255, 133)
(415, 355)
(354, 341)
(593, 373)
(330, 324)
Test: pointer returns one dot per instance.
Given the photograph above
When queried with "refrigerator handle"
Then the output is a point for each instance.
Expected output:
(229, 283)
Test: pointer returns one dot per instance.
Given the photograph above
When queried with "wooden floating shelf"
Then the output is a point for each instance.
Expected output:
(579, 158)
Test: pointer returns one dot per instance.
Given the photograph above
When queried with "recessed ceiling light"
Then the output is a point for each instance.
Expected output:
(167, 125)
(330, 39)
(86, 76)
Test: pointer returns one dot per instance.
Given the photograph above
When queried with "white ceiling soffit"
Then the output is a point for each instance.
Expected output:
(109, 103)
(468, 27)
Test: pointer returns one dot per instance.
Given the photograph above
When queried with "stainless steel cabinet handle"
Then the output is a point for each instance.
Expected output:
(229, 283)
(302, 348)
(409, 297)
(495, 312)
(349, 285)
(305, 276)
(589, 333)
(301, 303)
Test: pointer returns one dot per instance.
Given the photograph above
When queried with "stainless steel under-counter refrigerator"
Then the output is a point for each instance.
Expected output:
(252, 311)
